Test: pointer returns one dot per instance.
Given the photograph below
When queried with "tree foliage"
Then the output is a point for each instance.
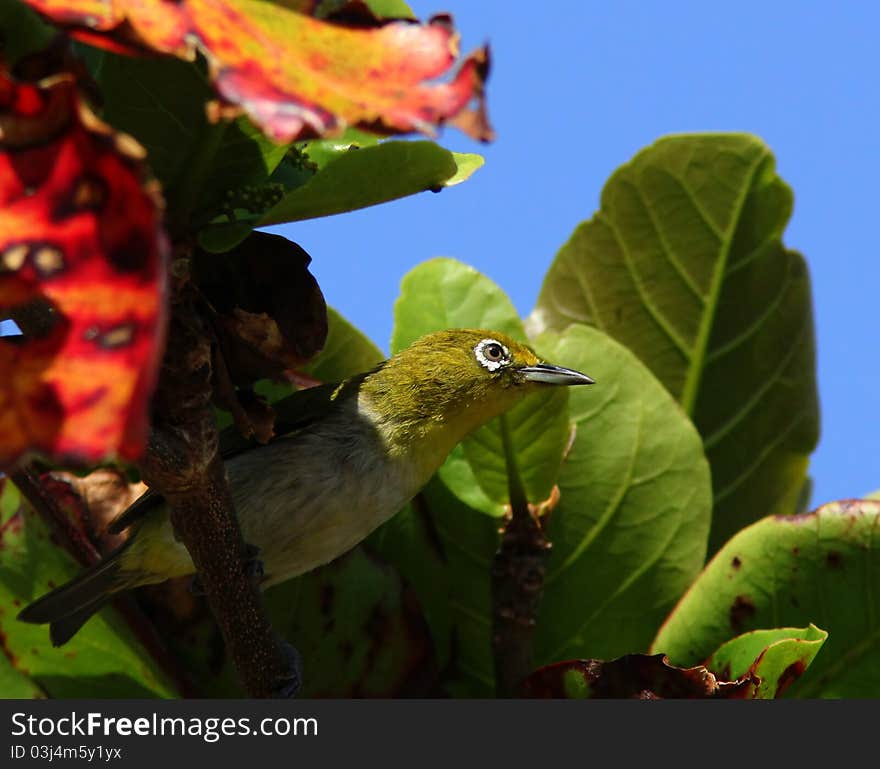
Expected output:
(129, 180)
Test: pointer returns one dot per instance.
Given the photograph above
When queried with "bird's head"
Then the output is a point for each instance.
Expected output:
(458, 379)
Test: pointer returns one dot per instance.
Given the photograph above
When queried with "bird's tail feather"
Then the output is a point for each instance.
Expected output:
(68, 607)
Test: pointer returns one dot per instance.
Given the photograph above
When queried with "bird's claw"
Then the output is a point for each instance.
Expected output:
(290, 682)
(195, 586)
(253, 564)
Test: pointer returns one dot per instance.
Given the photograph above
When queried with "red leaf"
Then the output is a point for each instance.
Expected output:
(295, 75)
(82, 272)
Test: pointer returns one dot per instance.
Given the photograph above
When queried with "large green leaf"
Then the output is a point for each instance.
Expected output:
(444, 293)
(821, 567)
(629, 532)
(444, 549)
(369, 175)
(103, 660)
(684, 264)
(358, 627)
(16, 685)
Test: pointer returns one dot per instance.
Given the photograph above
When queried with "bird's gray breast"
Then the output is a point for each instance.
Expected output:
(308, 498)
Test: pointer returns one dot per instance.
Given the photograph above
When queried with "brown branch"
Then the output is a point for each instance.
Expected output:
(183, 464)
(518, 572)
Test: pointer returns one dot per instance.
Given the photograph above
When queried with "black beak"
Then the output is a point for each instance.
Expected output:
(555, 375)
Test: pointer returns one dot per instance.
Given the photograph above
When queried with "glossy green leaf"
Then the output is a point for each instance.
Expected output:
(363, 177)
(821, 567)
(103, 660)
(684, 264)
(391, 9)
(444, 293)
(777, 658)
(358, 627)
(319, 153)
(466, 163)
(629, 532)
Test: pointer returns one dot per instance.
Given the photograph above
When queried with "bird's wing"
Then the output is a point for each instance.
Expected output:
(297, 410)
(146, 502)
(292, 413)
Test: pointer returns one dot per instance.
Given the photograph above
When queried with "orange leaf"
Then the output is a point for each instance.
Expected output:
(296, 75)
(82, 272)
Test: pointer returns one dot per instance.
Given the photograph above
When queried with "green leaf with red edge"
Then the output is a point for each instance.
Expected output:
(776, 658)
(295, 74)
(82, 272)
(103, 660)
(821, 567)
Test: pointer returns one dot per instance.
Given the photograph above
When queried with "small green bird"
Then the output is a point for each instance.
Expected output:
(347, 458)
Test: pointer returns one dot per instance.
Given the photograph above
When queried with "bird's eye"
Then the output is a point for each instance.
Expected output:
(491, 354)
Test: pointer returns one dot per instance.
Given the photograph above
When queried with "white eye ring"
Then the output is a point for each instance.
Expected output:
(492, 365)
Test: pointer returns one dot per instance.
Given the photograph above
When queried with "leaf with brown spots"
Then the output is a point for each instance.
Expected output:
(757, 665)
(821, 567)
(82, 274)
(634, 676)
(771, 659)
(356, 623)
(105, 659)
(296, 75)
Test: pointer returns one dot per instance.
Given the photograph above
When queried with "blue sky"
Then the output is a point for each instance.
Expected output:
(576, 89)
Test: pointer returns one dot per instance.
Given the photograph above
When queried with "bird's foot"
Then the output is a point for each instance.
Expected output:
(195, 586)
(290, 681)
(253, 564)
